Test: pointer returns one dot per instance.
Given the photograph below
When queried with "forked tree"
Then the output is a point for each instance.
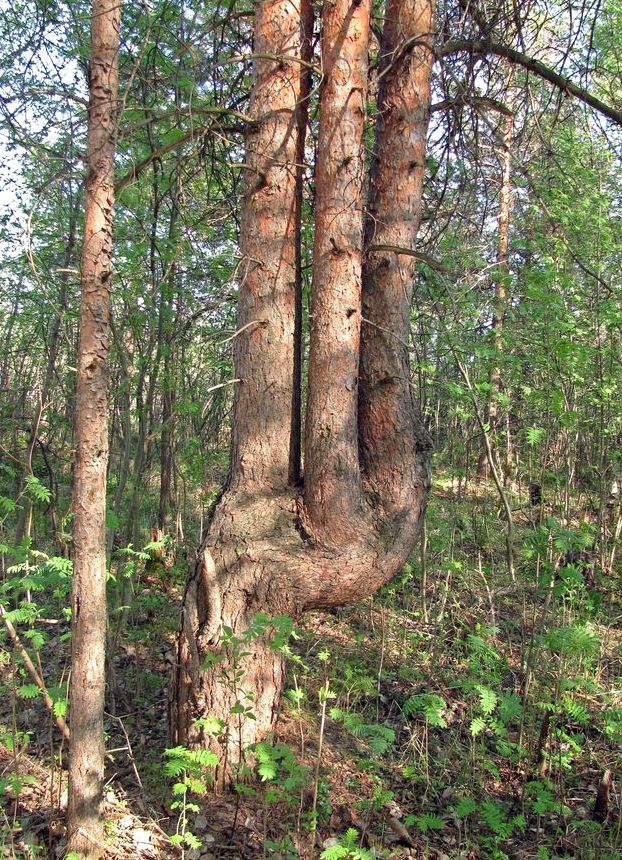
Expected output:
(278, 542)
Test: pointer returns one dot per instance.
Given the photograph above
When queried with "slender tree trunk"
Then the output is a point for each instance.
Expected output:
(125, 424)
(166, 450)
(493, 418)
(171, 283)
(268, 548)
(86, 708)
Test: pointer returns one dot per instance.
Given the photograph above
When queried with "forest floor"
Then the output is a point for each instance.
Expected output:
(480, 717)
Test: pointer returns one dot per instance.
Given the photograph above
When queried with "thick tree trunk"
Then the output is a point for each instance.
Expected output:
(389, 420)
(265, 347)
(86, 706)
(332, 473)
(231, 581)
(269, 549)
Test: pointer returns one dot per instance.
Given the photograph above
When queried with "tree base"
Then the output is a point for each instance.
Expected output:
(259, 561)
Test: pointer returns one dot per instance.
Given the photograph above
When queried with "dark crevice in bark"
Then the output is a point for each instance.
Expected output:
(302, 112)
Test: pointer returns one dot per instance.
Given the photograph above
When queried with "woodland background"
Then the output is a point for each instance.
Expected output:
(472, 708)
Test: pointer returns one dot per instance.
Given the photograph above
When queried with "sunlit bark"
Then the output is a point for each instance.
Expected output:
(332, 474)
(271, 549)
(86, 708)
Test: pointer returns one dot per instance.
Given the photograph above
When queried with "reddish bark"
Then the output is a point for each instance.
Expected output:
(393, 465)
(86, 706)
(332, 474)
(224, 589)
(268, 549)
(262, 424)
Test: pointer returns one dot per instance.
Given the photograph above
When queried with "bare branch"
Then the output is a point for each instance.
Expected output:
(484, 47)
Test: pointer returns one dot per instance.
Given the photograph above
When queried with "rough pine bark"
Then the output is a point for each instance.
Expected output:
(272, 548)
(391, 433)
(332, 473)
(230, 582)
(264, 350)
(86, 705)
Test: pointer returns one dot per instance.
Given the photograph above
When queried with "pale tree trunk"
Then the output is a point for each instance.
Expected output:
(493, 417)
(269, 548)
(171, 277)
(86, 706)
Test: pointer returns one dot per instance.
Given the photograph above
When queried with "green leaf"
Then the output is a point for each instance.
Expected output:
(427, 822)
(211, 725)
(431, 706)
(334, 852)
(534, 435)
(36, 490)
(493, 815)
(465, 807)
(267, 771)
(28, 691)
(60, 708)
(477, 726)
(510, 707)
(6, 507)
(205, 758)
(487, 699)
(191, 840)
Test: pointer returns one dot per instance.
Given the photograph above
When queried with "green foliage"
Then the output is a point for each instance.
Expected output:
(28, 691)
(15, 782)
(347, 847)
(558, 409)
(487, 700)
(430, 706)
(466, 806)
(573, 640)
(427, 823)
(284, 849)
(36, 490)
(378, 737)
(279, 765)
(477, 726)
(494, 817)
(190, 771)
(542, 798)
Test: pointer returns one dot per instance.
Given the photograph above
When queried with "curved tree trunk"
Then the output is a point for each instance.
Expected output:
(226, 588)
(271, 550)
(88, 621)
(388, 414)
